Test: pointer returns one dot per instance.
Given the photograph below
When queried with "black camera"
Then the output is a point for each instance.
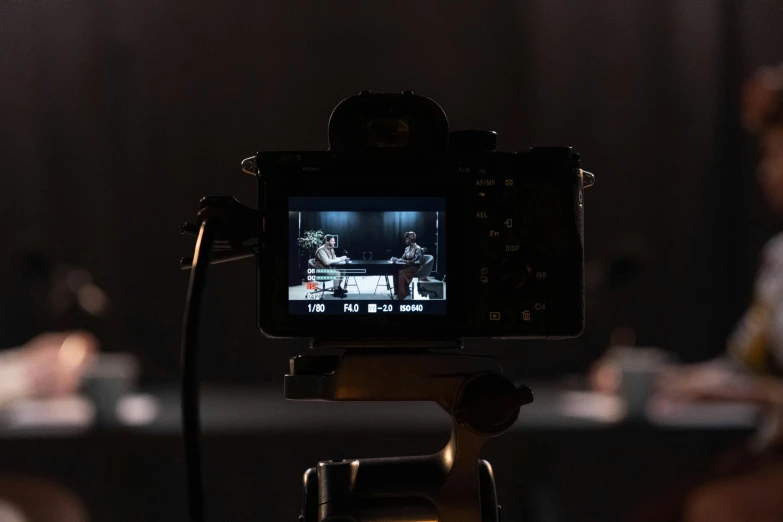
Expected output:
(402, 235)
(483, 243)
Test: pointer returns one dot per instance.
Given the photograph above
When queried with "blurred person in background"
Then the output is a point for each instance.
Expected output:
(49, 328)
(47, 365)
(745, 484)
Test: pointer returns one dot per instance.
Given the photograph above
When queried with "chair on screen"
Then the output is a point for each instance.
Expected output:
(427, 262)
(322, 289)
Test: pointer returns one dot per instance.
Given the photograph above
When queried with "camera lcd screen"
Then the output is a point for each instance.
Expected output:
(367, 255)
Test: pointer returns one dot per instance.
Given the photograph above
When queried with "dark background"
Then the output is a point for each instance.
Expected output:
(376, 232)
(116, 117)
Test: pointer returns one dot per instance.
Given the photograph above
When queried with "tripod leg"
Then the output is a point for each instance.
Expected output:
(384, 476)
(490, 511)
(310, 496)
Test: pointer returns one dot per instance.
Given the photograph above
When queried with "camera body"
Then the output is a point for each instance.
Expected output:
(497, 249)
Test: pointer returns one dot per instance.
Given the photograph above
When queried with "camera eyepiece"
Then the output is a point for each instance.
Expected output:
(388, 124)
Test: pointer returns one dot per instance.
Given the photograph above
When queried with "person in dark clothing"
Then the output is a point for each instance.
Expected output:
(412, 259)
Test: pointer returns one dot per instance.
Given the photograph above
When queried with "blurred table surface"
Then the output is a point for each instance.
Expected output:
(571, 453)
(242, 410)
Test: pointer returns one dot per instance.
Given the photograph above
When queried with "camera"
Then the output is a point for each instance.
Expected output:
(483, 243)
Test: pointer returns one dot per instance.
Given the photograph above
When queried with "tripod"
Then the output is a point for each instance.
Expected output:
(452, 485)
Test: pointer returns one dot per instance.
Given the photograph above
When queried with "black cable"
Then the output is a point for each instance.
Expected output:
(191, 426)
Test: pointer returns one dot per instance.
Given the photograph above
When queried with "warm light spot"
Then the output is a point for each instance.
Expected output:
(74, 350)
(354, 471)
(448, 456)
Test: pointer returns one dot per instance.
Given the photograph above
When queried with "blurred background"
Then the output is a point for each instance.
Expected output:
(116, 117)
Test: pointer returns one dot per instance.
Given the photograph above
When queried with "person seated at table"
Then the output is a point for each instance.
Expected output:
(744, 484)
(325, 257)
(412, 259)
(51, 320)
(48, 365)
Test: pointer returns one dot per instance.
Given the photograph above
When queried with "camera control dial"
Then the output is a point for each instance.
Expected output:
(513, 273)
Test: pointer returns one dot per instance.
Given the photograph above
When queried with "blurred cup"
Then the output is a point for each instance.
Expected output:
(638, 369)
(107, 379)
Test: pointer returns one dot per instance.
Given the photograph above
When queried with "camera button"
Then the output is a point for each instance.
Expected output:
(489, 238)
(485, 275)
(531, 317)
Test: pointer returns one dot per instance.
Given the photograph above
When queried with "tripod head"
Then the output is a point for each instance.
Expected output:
(452, 485)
